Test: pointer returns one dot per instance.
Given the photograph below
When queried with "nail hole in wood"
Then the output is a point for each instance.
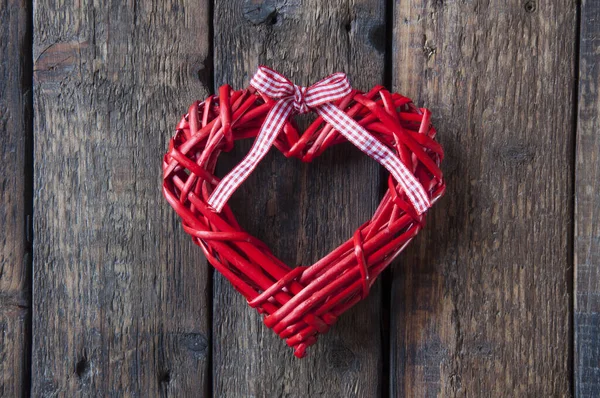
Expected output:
(530, 6)
(273, 18)
(82, 369)
(164, 377)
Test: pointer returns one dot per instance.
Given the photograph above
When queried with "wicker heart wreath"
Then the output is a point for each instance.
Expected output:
(300, 303)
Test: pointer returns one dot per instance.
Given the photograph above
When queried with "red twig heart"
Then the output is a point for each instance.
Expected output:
(299, 303)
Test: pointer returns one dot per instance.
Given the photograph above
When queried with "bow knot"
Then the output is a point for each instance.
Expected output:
(300, 104)
(277, 86)
(319, 97)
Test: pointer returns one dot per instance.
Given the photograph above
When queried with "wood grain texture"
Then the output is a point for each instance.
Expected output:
(587, 208)
(15, 197)
(120, 293)
(301, 211)
(481, 301)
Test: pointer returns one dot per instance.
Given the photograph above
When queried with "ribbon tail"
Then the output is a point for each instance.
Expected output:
(269, 130)
(364, 141)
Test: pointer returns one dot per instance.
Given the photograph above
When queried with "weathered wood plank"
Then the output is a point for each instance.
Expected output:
(15, 197)
(481, 301)
(301, 211)
(120, 293)
(587, 208)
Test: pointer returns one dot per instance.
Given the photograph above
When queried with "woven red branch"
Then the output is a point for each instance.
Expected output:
(299, 303)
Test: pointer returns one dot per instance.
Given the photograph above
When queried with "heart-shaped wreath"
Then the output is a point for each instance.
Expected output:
(301, 302)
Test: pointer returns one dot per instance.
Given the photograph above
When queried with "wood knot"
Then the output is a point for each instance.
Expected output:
(204, 72)
(341, 357)
(518, 154)
(58, 60)
(377, 37)
(260, 13)
(194, 343)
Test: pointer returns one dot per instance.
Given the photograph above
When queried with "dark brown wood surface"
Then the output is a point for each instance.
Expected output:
(302, 211)
(587, 208)
(482, 299)
(15, 197)
(497, 297)
(121, 294)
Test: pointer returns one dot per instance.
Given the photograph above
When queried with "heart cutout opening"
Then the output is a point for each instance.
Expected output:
(292, 202)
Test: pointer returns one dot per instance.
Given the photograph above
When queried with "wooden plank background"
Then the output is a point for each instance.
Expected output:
(498, 296)
(587, 207)
(15, 197)
(488, 311)
(121, 295)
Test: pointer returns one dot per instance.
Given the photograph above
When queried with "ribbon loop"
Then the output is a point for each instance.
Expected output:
(318, 97)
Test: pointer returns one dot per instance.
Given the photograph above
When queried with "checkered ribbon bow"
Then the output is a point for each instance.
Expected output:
(318, 97)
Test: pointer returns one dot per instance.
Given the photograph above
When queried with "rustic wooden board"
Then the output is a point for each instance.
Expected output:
(587, 206)
(121, 295)
(301, 211)
(481, 301)
(15, 197)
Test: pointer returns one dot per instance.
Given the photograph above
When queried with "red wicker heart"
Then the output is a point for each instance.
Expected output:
(299, 303)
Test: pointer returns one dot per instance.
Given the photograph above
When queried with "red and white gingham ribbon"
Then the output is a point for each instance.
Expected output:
(296, 99)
